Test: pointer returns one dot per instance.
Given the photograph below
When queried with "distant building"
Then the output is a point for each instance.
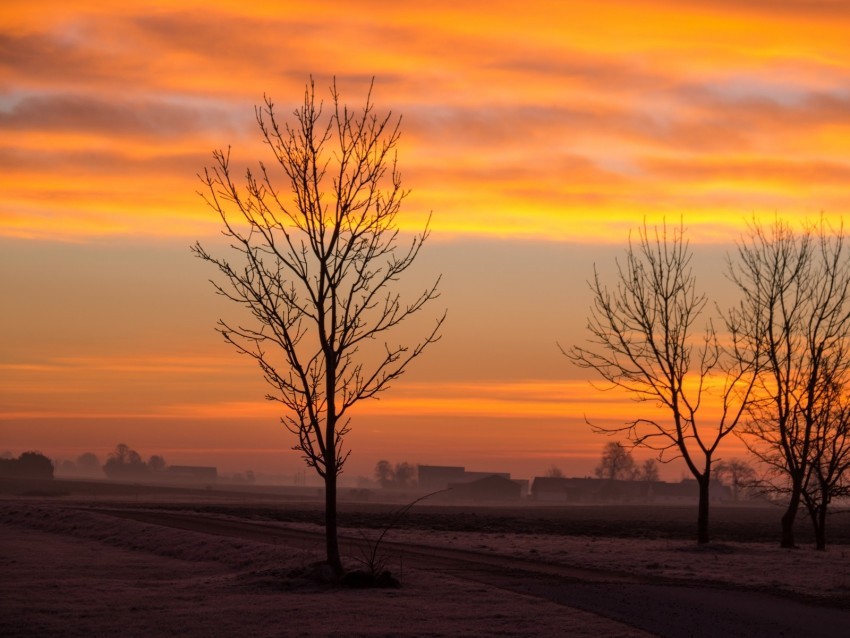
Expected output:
(192, 473)
(468, 477)
(556, 489)
(433, 478)
(438, 477)
(494, 487)
(523, 486)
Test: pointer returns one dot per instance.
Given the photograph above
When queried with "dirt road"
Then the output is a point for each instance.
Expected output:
(660, 606)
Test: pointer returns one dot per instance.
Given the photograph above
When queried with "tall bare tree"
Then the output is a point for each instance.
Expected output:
(828, 474)
(316, 266)
(644, 339)
(795, 315)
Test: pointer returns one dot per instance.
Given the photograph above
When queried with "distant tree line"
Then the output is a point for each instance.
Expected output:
(28, 465)
(126, 463)
(87, 465)
(122, 463)
(617, 464)
(398, 476)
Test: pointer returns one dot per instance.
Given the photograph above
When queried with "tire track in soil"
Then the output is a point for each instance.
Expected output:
(661, 606)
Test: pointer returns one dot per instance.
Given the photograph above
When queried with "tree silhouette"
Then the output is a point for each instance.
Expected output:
(125, 463)
(384, 473)
(156, 463)
(28, 465)
(828, 475)
(642, 340)
(737, 474)
(405, 474)
(401, 475)
(648, 471)
(317, 262)
(616, 463)
(795, 315)
(553, 471)
(89, 465)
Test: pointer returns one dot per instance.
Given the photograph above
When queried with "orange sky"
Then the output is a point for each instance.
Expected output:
(537, 136)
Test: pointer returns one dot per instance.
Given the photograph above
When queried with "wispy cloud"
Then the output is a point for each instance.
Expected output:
(532, 123)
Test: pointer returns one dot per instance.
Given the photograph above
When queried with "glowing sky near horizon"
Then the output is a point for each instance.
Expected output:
(537, 135)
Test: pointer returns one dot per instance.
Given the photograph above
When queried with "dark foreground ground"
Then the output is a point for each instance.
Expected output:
(84, 559)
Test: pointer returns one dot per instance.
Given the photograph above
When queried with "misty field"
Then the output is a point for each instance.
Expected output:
(140, 562)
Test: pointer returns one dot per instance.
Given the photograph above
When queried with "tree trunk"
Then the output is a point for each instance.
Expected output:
(789, 517)
(331, 540)
(702, 517)
(820, 529)
(819, 520)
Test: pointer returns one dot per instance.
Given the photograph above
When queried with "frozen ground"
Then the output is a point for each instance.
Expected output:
(77, 573)
(764, 566)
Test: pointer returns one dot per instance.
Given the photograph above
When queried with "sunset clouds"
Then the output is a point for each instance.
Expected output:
(538, 134)
(527, 122)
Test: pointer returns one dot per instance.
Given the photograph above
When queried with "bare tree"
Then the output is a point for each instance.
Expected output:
(404, 474)
(384, 473)
(736, 474)
(794, 315)
(829, 465)
(28, 465)
(317, 263)
(643, 341)
(648, 471)
(125, 462)
(553, 471)
(156, 463)
(401, 475)
(89, 465)
(616, 463)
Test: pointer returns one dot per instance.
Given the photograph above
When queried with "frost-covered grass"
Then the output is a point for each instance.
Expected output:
(72, 572)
